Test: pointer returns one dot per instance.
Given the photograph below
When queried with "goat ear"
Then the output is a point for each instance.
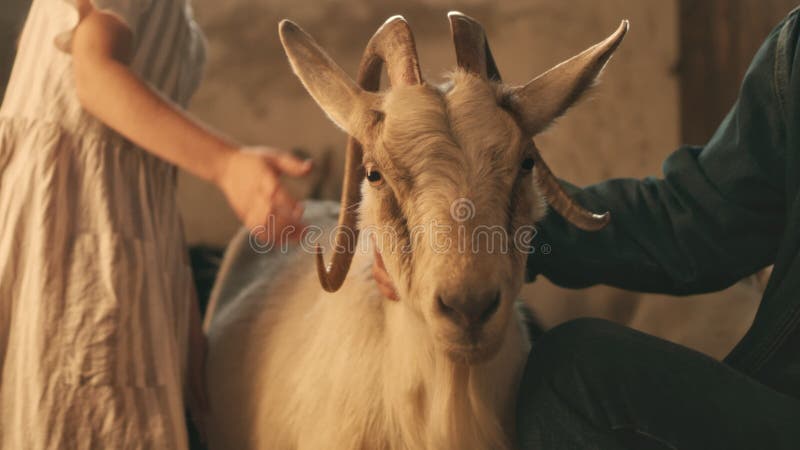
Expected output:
(335, 92)
(549, 95)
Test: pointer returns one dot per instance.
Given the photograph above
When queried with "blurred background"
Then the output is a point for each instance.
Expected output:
(671, 81)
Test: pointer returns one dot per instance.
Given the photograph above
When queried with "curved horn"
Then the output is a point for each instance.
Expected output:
(472, 47)
(393, 44)
(559, 199)
(474, 55)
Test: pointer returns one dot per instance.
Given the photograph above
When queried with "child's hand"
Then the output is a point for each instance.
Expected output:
(250, 181)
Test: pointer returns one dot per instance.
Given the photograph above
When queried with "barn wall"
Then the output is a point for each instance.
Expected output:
(718, 38)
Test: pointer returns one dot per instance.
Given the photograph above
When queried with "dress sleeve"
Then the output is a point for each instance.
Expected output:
(129, 12)
(717, 215)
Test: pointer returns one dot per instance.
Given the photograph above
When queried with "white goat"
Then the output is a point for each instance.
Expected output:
(292, 366)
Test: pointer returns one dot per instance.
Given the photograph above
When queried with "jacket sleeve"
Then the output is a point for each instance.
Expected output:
(716, 216)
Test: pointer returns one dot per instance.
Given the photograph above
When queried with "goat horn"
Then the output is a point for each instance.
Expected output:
(393, 44)
(474, 55)
(472, 47)
(560, 200)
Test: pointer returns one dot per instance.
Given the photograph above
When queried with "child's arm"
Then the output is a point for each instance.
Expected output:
(107, 88)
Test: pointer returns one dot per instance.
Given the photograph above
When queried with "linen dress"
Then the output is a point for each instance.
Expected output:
(95, 289)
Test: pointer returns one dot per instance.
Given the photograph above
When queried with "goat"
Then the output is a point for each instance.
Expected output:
(294, 364)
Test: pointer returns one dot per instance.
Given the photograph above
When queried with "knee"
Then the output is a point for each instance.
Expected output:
(580, 341)
(578, 332)
(564, 366)
(580, 346)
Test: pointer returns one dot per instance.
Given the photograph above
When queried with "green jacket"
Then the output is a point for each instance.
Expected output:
(721, 212)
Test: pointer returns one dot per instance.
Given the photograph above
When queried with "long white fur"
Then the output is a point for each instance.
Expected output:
(293, 367)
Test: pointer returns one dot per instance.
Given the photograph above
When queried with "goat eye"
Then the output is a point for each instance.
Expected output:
(527, 164)
(374, 177)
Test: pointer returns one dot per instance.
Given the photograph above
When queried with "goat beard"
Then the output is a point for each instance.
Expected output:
(481, 350)
(454, 380)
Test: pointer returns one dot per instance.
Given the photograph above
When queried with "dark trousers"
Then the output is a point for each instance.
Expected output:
(593, 384)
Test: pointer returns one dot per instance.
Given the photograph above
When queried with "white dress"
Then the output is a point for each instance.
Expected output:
(95, 287)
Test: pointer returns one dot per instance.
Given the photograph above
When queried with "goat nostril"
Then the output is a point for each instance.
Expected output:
(491, 308)
(445, 309)
(466, 311)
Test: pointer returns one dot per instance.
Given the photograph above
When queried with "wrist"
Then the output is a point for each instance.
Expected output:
(220, 163)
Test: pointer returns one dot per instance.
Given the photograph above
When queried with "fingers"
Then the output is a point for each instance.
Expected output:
(283, 218)
(278, 218)
(288, 215)
(289, 164)
(384, 282)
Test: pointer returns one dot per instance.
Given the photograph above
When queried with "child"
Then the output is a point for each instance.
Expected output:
(97, 309)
